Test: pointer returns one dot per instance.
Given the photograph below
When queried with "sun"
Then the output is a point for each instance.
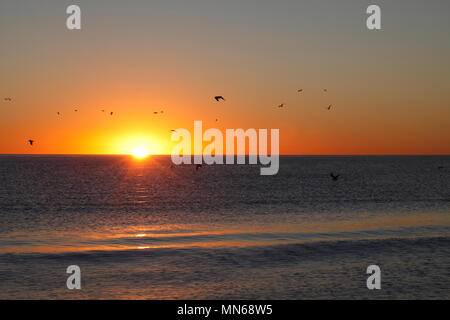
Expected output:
(140, 153)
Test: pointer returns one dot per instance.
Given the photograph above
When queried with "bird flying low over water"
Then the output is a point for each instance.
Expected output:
(329, 107)
(8, 99)
(111, 113)
(31, 142)
(300, 90)
(334, 177)
(219, 98)
(155, 112)
(281, 105)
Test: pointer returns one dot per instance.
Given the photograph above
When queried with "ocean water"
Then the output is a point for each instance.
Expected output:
(141, 230)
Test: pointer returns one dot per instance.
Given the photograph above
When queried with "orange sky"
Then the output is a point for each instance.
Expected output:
(390, 89)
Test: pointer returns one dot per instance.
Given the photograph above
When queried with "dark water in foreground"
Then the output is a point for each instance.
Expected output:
(139, 229)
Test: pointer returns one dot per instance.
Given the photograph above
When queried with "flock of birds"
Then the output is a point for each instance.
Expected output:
(300, 91)
(334, 177)
(217, 98)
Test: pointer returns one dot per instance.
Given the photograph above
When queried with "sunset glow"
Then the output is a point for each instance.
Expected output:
(139, 91)
(140, 153)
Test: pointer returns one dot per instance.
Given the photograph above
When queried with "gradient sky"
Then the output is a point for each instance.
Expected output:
(390, 89)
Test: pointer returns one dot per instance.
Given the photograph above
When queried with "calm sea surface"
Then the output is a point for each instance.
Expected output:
(141, 230)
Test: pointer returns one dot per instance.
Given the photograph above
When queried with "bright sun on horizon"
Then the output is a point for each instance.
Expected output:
(140, 153)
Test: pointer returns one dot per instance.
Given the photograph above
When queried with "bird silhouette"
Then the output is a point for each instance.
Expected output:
(58, 113)
(8, 99)
(76, 110)
(31, 142)
(111, 113)
(329, 107)
(198, 166)
(334, 177)
(219, 98)
(300, 90)
(156, 112)
(325, 90)
(281, 105)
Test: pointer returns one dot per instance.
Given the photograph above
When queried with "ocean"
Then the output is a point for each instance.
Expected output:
(144, 230)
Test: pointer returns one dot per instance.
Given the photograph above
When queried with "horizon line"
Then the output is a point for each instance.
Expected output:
(223, 155)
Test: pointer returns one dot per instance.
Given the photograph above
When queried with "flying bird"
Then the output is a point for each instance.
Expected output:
(329, 107)
(219, 98)
(76, 110)
(111, 113)
(58, 113)
(281, 105)
(325, 90)
(31, 142)
(334, 177)
(300, 90)
(8, 99)
(156, 112)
